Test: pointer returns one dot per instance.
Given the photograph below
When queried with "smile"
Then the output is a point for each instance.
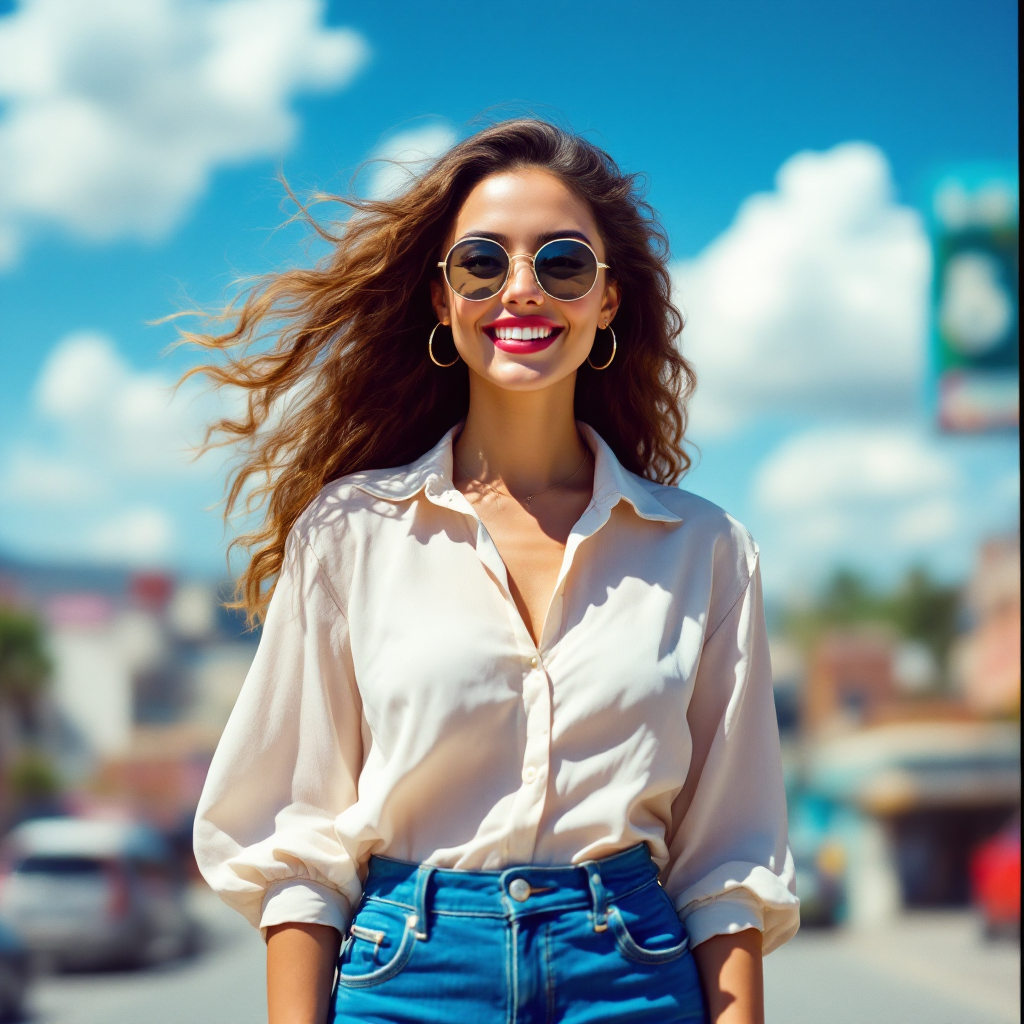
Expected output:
(523, 334)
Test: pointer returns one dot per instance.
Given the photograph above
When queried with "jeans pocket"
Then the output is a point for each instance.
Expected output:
(646, 927)
(379, 944)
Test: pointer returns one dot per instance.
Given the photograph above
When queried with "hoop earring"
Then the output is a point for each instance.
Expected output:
(615, 348)
(430, 351)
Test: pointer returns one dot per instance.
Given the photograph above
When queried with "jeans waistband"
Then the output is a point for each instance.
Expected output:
(513, 892)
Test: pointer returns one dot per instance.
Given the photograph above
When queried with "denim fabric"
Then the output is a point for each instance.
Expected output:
(597, 942)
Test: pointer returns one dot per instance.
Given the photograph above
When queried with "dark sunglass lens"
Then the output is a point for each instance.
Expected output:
(566, 269)
(477, 268)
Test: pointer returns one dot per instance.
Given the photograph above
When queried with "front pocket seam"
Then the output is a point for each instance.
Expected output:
(632, 950)
(389, 970)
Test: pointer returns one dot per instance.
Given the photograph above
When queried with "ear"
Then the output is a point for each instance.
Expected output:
(439, 300)
(609, 303)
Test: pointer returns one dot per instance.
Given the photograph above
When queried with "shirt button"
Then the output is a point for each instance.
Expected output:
(534, 662)
(529, 775)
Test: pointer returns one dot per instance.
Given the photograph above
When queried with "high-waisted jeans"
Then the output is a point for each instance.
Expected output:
(595, 942)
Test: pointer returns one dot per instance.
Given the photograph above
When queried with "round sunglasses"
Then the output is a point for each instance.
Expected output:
(565, 268)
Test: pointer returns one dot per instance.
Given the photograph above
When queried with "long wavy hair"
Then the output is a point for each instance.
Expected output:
(333, 359)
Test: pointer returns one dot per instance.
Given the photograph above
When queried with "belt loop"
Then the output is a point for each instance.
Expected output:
(598, 895)
(423, 873)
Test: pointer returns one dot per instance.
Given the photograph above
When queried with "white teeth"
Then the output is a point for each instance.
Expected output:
(521, 333)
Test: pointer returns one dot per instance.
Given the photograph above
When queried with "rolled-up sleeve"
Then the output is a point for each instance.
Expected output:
(288, 763)
(730, 867)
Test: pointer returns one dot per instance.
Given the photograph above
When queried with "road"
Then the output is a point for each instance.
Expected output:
(223, 984)
(928, 968)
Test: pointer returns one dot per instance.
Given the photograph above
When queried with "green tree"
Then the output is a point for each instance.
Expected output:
(926, 611)
(918, 609)
(24, 665)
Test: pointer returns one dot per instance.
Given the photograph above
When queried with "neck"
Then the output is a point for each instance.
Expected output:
(527, 440)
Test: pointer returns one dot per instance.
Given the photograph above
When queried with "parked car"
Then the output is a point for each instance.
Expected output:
(819, 858)
(85, 893)
(995, 881)
(15, 972)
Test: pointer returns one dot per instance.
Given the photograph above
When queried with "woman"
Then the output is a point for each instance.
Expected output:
(509, 739)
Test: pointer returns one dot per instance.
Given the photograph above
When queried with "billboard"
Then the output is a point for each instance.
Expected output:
(975, 321)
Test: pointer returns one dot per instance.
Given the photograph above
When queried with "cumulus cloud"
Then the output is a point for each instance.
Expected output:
(833, 465)
(37, 478)
(859, 494)
(138, 536)
(407, 154)
(116, 112)
(814, 300)
(115, 417)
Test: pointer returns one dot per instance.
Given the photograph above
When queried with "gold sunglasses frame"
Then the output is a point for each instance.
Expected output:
(520, 255)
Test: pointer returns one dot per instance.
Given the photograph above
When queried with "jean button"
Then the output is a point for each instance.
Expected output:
(519, 889)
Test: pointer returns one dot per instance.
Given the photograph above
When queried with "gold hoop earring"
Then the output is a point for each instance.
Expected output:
(615, 347)
(430, 351)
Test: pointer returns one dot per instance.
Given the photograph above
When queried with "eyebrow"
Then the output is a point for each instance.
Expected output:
(548, 236)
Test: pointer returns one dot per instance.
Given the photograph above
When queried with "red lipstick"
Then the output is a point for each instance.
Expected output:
(521, 335)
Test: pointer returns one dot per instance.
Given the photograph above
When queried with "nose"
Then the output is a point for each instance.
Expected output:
(521, 288)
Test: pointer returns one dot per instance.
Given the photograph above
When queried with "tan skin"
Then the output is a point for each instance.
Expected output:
(520, 439)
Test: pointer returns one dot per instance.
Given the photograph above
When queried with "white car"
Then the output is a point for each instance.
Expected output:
(85, 893)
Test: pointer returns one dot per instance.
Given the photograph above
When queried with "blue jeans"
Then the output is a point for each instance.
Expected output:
(597, 942)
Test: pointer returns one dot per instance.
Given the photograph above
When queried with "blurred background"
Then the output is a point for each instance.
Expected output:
(839, 186)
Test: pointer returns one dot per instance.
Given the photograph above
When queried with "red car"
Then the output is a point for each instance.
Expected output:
(995, 880)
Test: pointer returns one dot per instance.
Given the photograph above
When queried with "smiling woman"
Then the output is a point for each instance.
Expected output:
(509, 740)
(350, 350)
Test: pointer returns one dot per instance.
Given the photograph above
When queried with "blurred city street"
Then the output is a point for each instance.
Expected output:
(928, 967)
(838, 189)
(225, 983)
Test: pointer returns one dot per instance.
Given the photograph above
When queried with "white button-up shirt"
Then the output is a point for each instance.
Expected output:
(398, 705)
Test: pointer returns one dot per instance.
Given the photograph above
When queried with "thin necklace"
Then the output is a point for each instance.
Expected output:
(529, 497)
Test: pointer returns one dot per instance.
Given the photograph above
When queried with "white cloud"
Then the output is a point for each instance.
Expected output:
(139, 536)
(931, 520)
(116, 112)
(104, 467)
(114, 418)
(34, 477)
(407, 154)
(817, 470)
(814, 300)
(861, 495)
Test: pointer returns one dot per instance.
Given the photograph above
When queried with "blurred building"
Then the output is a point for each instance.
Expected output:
(904, 766)
(986, 662)
(865, 676)
(145, 673)
(915, 799)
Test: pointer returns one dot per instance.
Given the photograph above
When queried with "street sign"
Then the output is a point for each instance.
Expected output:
(975, 313)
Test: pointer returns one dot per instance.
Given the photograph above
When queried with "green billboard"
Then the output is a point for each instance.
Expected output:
(975, 314)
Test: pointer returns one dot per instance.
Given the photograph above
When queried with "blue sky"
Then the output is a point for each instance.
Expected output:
(811, 424)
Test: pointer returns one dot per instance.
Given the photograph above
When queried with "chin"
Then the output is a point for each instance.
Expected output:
(531, 371)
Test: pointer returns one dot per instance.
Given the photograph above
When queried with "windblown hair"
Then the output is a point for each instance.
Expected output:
(346, 384)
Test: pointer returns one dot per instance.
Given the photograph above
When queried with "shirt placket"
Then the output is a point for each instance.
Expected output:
(528, 806)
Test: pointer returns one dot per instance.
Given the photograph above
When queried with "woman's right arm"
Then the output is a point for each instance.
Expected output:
(286, 766)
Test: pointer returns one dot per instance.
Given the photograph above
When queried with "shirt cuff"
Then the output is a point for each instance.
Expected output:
(725, 915)
(301, 901)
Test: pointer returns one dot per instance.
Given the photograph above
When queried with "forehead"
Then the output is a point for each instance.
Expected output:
(524, 205)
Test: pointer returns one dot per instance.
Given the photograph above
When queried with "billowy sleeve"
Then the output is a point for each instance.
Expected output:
(287, 764)
(730, 867)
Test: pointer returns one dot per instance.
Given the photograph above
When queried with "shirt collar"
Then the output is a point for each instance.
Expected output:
(433, 473)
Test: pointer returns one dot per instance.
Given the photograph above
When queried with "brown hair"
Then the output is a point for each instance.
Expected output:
(346, 384)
